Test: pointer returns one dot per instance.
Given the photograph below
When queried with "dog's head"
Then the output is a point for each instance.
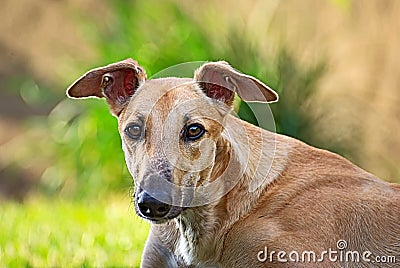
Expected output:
(172, 129)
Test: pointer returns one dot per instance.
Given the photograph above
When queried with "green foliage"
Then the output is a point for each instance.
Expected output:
(88, 160)
(297, 85)
(41, 233)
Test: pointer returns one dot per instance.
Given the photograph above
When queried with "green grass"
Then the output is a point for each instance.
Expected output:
(48, 232)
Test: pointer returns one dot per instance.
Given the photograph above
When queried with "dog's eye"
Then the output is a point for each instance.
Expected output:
(194, 131)
(133, 131)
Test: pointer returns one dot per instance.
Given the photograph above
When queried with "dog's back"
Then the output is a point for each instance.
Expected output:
(323, 204)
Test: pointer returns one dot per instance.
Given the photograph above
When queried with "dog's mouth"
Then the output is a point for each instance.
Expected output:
(173, 213)
(177, 212)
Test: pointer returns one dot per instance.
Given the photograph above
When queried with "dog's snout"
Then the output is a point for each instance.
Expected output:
(151, 208)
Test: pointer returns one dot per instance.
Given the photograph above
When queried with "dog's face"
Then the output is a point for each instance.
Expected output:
(171, 134)
(172, 129)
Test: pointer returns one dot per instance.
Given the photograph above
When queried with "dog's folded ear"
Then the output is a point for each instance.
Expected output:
(220, 81)
(116, 82)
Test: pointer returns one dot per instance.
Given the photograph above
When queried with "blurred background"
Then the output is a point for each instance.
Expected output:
(64, 189)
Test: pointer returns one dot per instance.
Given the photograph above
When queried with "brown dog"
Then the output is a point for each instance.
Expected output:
(221, 192)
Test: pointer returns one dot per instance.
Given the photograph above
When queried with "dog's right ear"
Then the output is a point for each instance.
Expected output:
(116, 82)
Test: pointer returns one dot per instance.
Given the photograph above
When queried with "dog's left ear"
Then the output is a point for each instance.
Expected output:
(116, 82)
(220, 81)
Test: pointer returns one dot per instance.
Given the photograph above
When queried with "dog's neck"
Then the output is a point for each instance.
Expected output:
(201, 228)
(198, 234)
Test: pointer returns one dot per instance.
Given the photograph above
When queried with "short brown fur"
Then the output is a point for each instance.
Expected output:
(305, 199)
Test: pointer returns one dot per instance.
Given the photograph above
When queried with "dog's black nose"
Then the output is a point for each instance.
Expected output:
(150, 207)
